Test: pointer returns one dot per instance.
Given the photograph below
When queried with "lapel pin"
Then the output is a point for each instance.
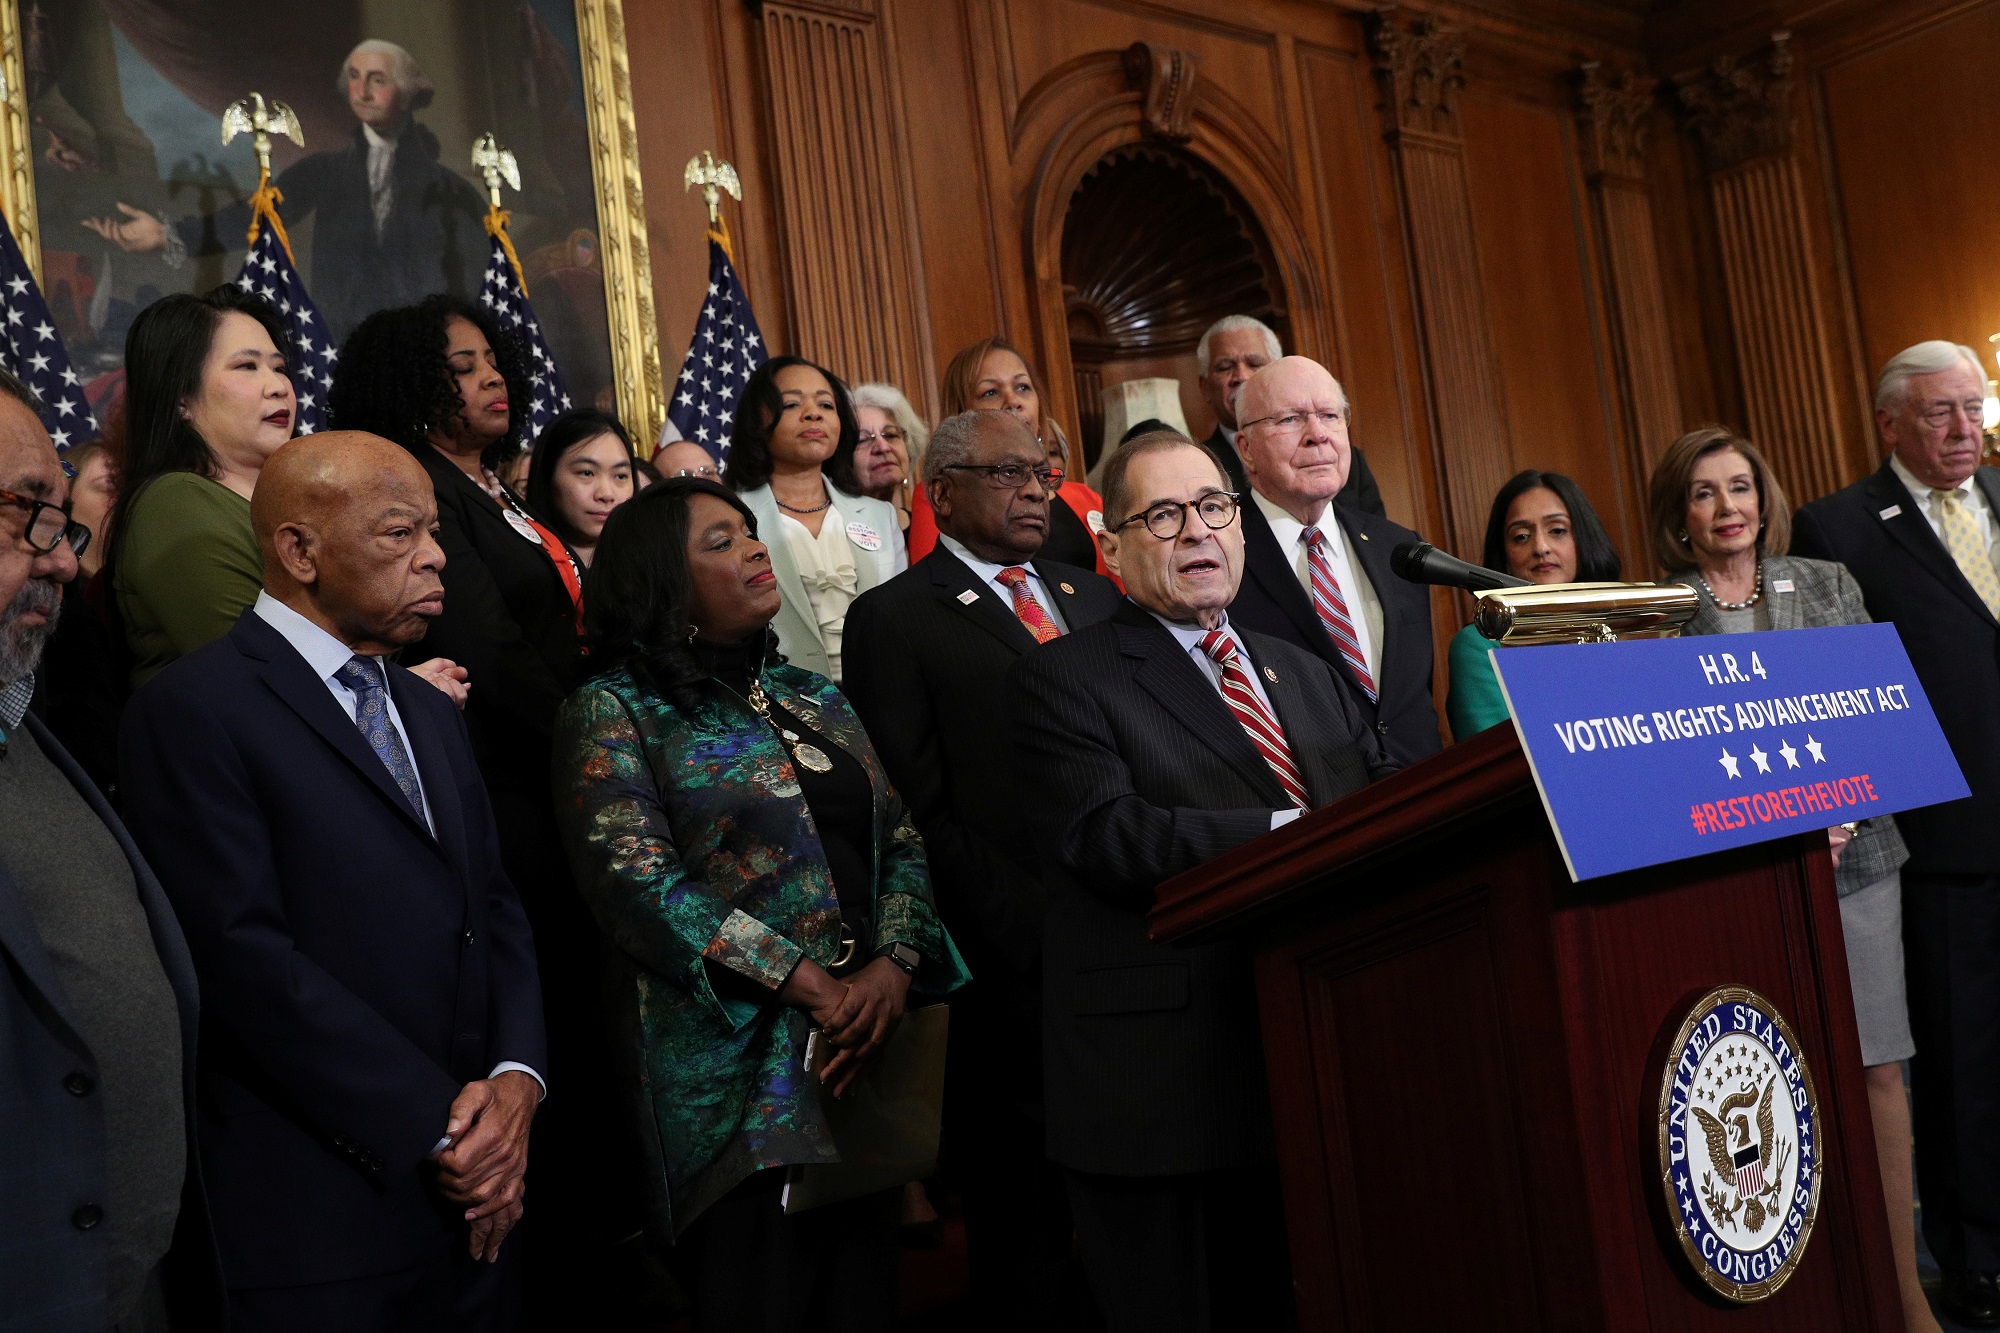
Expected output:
(1270, 675)
(1364, 536)
(968, 597)
(1890, 512)
(1066, 588)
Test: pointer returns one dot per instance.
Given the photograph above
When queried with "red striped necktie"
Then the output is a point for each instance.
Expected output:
(1255, 715)
(1030, 611)
(1332, 609)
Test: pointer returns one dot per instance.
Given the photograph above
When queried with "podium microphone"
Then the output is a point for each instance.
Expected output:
(1420, 562)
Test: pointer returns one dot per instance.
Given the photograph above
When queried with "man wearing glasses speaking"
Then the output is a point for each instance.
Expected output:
(1147, 745)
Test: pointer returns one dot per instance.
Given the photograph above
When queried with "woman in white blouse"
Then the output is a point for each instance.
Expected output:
(827, 547)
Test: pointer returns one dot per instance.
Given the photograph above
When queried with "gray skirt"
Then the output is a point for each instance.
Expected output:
(1872, 920)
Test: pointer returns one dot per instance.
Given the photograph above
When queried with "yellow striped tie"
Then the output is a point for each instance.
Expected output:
(1961, 538)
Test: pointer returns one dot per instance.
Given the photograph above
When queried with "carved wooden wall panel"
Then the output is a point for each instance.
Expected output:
(1532, 219)
(1615, 115)
(845, 198)
(1742, 115)
(1421, 69)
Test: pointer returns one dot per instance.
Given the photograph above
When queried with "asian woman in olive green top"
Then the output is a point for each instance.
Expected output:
(207, 400)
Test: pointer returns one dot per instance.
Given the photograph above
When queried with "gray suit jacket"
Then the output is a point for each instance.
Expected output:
(54, 1275)
(798, 628)
(1822, 593)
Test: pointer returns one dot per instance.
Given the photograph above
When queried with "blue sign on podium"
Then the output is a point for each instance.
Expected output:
(1657, 749)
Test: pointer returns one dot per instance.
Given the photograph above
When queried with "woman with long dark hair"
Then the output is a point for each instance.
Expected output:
(207, 400)
(731, 826)
(1540, 529)
(828, 545)
(582, 469)
(445, 381)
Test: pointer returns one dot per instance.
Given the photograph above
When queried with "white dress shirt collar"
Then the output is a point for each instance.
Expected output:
(1969, 494)
(989, 574)
(323, 653)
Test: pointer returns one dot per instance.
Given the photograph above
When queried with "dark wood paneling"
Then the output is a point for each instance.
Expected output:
(1912, 137)
(1534, 261)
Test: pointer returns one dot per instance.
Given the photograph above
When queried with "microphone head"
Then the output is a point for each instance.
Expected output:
(1407, 561)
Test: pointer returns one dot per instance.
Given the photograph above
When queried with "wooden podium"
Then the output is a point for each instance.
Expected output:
(1465, 1048)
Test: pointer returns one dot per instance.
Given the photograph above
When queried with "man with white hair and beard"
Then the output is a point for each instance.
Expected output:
(392, 224)
(97, 998)
(1919, 536)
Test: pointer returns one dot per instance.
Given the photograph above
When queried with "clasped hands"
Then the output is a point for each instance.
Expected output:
(855, 1015)
(488, 1155)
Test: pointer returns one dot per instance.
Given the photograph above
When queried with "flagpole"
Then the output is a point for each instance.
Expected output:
(496, 164)
(253, 116)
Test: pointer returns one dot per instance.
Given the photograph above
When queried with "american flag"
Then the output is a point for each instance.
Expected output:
(268, 273)
(33, 350)
(725, 350)
(502, 294)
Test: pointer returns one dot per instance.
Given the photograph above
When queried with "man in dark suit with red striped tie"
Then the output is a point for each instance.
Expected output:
(926, 657)
(1317, 575)
(1151, 743)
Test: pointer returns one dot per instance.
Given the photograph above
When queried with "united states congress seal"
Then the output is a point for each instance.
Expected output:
(1739, 1143)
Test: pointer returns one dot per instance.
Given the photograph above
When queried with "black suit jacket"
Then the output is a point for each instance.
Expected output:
(1272, 601)
(509, 622)
(1360, 492)
(1908, 578)
(927, 672)
(356, 970)
(52, 1275)
(1140, 771)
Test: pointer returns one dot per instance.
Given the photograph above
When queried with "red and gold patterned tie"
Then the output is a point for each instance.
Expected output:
(1332, 609)
(1255, 715)
(1025, 606)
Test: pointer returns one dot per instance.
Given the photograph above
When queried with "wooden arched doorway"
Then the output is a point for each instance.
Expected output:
(1156, 246)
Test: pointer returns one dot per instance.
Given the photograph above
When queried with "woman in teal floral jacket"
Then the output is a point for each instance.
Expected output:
(731, 827)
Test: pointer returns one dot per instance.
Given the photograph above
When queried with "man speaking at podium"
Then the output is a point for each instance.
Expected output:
(1151, 743)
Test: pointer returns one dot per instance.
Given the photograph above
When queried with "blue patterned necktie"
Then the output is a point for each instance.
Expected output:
(371, 715)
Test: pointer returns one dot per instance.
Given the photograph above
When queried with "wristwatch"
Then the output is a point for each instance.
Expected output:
(903, 956)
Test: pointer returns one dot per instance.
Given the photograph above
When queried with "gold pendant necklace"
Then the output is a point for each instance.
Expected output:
(803, 752)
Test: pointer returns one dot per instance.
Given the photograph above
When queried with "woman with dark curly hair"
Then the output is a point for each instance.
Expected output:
(731, 825)
(827, 546)
(445, 381)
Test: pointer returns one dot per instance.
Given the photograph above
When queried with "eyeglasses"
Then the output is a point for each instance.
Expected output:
(888, 435)
(1291, 423)
(1168, 519)
(48, 526)
(1011, 476)
(705, 470)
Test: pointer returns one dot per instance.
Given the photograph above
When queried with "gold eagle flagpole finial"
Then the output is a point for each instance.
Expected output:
(714, 177)
(495, 165)
(259, 119)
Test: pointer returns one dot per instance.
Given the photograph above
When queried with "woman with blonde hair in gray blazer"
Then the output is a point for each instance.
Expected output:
(1721, 524)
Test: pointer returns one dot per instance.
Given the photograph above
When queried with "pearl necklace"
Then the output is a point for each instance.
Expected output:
(1744, 605)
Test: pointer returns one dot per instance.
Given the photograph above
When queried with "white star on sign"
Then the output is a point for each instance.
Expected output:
(1759, 758)
(1729, 762)
(1791, 755)
(1819, 757)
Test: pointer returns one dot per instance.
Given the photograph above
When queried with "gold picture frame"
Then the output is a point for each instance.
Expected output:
(621, 207)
